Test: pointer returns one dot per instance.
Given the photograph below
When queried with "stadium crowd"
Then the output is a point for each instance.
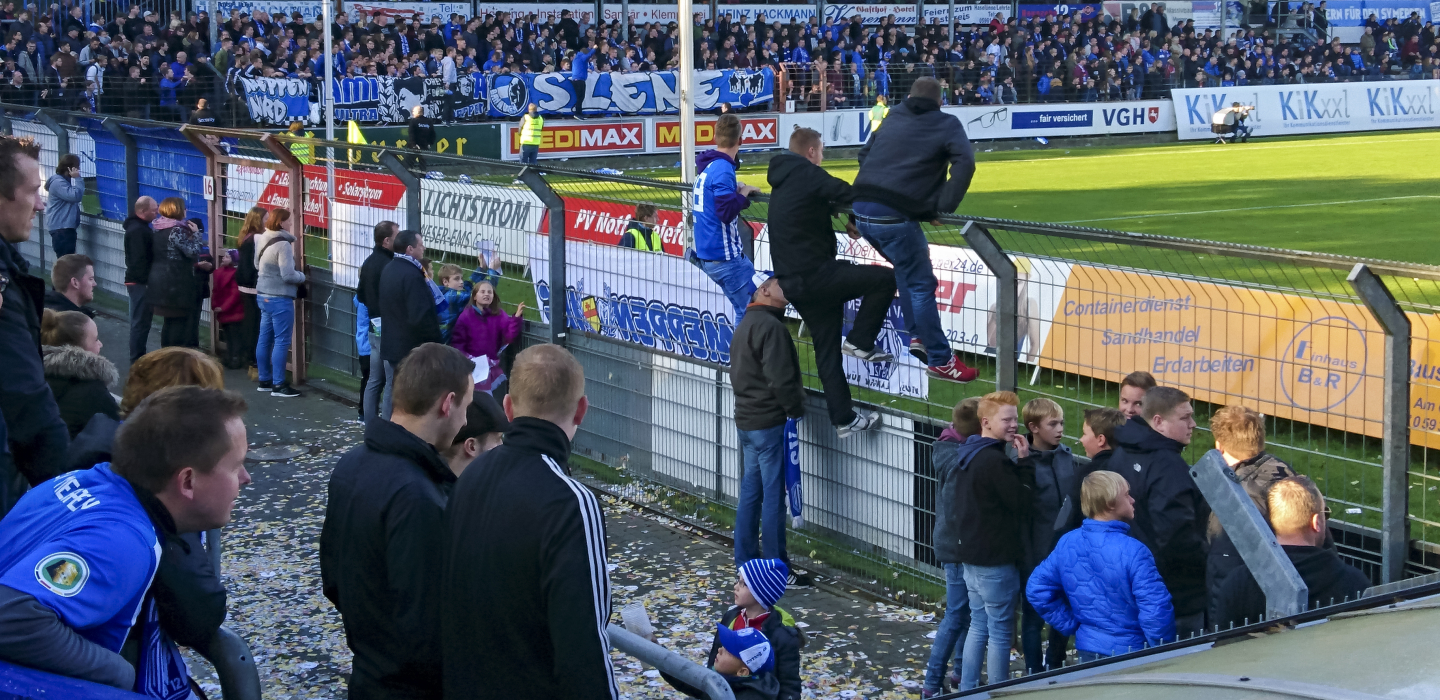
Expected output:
(141, 64)
(463, 558)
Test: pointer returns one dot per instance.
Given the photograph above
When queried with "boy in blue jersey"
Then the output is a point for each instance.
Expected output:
(78, 552)
(719, 199)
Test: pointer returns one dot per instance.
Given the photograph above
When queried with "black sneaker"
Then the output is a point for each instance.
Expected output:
(265, 386)
(800, 579)
(284, 391)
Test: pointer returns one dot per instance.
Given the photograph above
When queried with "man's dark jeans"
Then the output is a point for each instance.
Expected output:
(142, 315)
(63, 241)
(820, 297)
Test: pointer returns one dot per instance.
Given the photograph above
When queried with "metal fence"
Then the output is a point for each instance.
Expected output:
(1317, 343)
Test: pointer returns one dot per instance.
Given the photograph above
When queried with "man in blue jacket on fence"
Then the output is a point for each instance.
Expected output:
(579, 73)
(719, 199)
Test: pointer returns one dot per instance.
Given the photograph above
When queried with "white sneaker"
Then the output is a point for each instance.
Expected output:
(874, 355)
(864, 420)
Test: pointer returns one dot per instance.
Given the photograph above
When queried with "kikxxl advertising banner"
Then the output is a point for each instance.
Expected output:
(1310, 360)
(1281, 110)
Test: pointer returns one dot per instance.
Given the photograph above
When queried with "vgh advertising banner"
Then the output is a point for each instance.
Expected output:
(1282, 110)
(1078, 119)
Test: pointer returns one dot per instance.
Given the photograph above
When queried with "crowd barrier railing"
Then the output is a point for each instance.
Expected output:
(1315, 342)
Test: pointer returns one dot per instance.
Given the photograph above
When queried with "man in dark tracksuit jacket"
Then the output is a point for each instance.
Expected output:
(381, 545)
(406, 300)
(139, 254)
(765, 373)
(525, 587)
(37, 435)
(802, 243)
(1170, 511)
(902, 182)
(367, 292)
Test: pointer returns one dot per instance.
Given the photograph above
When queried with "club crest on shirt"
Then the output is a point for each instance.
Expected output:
(63, 573)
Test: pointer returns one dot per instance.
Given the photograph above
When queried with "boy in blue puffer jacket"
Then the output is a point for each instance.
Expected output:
(1100, 584)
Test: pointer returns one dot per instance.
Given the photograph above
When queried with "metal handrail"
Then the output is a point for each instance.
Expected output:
(668, 662)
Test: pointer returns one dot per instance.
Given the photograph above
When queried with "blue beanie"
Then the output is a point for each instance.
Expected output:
(766, 579)
(750, 646)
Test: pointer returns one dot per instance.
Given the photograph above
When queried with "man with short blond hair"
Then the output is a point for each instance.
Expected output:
(525, 564)
(73, 280)
(1299, 516)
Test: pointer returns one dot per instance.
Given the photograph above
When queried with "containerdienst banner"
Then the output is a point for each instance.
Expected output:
(1281, 110)
(1300, 358)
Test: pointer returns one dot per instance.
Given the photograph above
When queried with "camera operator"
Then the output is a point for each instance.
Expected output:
(1233, 119)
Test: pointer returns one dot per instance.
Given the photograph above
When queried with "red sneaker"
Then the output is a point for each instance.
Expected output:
(955, 371)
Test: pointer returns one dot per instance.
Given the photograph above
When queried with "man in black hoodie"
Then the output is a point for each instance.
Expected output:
(380, 547)
(1298, 515)
(367, 294)
(1170, 511)
(525, 585)
(405, 299)
(802, 239)
(993, 503)
(902, 183)
(139, 254)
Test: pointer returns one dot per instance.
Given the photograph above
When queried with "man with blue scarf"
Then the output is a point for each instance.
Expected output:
(79, 552)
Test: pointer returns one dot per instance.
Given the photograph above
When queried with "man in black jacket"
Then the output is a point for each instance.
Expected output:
(139, 253)
(380, 547)
(765, 374)
(1297, 513)
(902, 183)
(525, 589)
(993, 502)
(1170, 511)
(406, 300)
(367, 293)
(37, 435)
(802, 239)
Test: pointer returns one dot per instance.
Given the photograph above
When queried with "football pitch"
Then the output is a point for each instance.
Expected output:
(1371, 195)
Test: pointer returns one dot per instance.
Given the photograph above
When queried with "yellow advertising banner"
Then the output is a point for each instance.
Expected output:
(1311, 360)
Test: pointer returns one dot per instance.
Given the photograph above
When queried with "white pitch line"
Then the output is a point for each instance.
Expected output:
(1273, 206)
(1171, 150)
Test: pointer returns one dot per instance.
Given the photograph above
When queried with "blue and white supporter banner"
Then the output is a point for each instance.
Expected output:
(279, 101)
(1281, 110)
(627, 94)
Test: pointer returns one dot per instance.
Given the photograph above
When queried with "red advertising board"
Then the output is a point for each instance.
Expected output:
(358, 188)
(605, 222)
(583, 138)
(754, 131)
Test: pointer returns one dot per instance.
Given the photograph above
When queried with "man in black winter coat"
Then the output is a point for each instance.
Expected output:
(139, 255)
(525, 587)
(1297, 514)
(802, 243)
(406, 300)
(367, 293)
(1170, 511)
(902, 182)
(37, 437)
(380, 547)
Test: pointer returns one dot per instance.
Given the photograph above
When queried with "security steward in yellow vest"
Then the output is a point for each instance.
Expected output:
(532, 132)
(301, 150)
(640, 234)
(879, 112)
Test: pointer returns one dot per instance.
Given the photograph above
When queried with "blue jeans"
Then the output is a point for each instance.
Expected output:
(277, 320)
(737, 278)
(760, 512)
(529, 153)
(950, 635)
(992, 592)
(905, 246)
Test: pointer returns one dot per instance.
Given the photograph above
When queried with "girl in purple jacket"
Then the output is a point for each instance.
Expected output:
(483, 328)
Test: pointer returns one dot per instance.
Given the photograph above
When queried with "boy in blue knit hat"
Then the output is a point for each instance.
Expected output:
(759, 588)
